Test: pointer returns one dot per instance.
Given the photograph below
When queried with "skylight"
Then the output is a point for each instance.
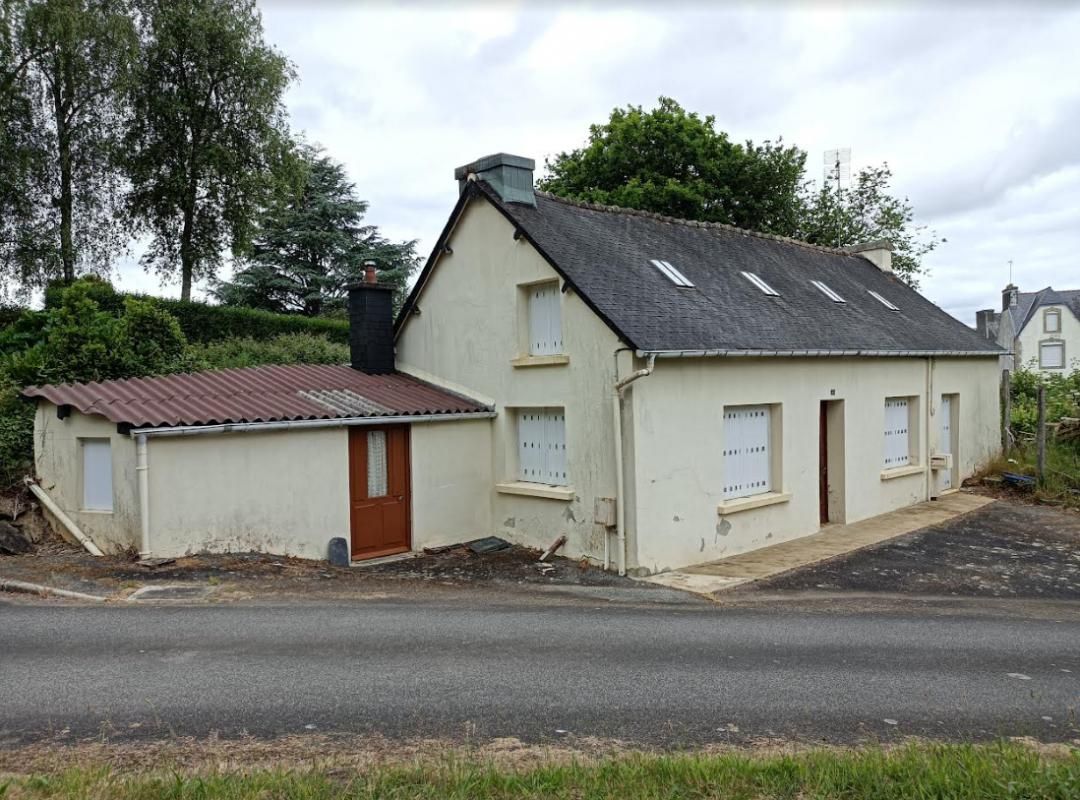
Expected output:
(825, 290)
(882, 300)
(759, 283)
(671, 273)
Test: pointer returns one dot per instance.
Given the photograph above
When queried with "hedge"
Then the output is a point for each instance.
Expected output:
(202, 322)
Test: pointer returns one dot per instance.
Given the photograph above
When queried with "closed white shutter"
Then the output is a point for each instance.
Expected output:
(97, 475)
(747, 455)
(545, 320)
(1052, 355)
(542, 446)
(945, 442)
(897, 451)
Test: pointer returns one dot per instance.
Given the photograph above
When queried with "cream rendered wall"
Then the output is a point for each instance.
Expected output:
(467, 335)
(283, 492)
(1027, 343)
(58, 462)
(678, 439)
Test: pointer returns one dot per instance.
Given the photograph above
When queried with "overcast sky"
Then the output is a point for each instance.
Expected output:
(976, 109)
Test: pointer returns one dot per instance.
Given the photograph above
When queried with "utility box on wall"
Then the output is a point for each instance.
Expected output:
(604, 511)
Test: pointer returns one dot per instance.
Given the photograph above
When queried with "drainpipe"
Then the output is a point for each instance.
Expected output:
(927, 415)
(142, 470)
(620, 504)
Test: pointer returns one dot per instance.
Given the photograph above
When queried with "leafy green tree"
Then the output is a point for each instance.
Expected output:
(76, 55)
(207, 130)
(312, 243)
(867, 211)
(673, 162)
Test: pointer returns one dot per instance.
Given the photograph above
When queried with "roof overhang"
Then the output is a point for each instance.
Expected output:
(821, 353)
(305, 424)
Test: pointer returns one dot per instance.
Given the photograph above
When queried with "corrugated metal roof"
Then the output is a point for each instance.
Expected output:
(257, 394)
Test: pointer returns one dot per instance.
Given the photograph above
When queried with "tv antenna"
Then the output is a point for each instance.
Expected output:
(838, 167)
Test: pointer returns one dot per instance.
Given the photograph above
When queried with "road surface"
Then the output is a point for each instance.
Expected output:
(651, 675)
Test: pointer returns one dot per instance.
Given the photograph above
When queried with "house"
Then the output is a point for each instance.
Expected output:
(1040, 329)
(662, 392)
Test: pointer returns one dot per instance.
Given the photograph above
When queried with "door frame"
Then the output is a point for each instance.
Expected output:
(832, 475)
(357, 430)
(953, 443)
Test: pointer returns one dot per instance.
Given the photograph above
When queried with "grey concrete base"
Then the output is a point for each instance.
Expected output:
(173, 592)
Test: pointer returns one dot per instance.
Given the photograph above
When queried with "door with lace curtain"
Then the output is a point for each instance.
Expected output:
(379, 490)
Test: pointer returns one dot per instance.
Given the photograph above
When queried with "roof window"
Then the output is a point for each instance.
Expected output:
(825, 290)
(671, 273)
(882, 300)
(759, 283)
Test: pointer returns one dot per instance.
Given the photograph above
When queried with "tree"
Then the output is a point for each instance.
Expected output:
(208, 126)
(77, 54)
(677, 163)
(312, 243)
(672, 162)
(864, 212)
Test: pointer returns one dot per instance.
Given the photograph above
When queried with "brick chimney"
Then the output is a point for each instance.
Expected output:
(510, 176)
(371, 323)
(878, 253)
(1010, 295)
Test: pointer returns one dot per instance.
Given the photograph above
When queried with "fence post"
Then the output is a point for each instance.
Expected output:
(1040, 436)
(1006, 405)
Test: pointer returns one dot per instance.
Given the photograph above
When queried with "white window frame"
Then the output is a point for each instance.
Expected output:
(747, 451)
(1056, 314)
(96, 470)
(671, 273)
(898, 433)
(1058, 343)
(544, 310)
(541, 441)
(882, 300)
(825, 290)
(759, 283)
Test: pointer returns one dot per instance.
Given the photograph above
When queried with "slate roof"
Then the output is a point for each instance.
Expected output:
(1027, 303)
(604, 254)
(257, 394)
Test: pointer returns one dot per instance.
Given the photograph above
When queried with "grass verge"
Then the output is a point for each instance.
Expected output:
(1004, 770)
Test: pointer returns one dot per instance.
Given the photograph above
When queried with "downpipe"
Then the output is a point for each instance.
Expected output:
(142, 470)
(617, 408)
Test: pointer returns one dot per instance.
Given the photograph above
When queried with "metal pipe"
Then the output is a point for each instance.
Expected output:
(142, 470)
(63, 518)
(620, 502)
(285, 425)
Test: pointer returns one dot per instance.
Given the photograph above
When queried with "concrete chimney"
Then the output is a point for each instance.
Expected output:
(510, 176)
(986, 323)
(1010, 296)
(371, 324)
(878, 253)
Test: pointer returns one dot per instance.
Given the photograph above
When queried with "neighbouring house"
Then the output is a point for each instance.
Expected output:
(1041, 330)
(662, 392)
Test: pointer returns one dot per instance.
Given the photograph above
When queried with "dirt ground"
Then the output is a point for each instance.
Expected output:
(1004, 550)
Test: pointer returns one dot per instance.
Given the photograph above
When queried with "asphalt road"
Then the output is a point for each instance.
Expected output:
(659, 675)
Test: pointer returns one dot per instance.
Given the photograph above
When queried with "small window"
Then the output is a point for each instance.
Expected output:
(825, 290)
(882, 300)
(747, 453)
(897, 432)
(1052, 355)
(759, 283)
(97, 483)
(542, 446)
(545, 320)
(672, 274)
(1052, 321)
(376, 464)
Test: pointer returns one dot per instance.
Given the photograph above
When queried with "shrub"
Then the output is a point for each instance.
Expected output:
(288, 348)
(16, 435)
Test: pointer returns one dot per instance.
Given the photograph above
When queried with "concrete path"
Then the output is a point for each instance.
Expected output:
(480, 670)
(834, 540)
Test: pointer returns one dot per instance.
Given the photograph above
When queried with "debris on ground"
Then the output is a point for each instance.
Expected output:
(154, 563)
(488, 544)
(554, 546)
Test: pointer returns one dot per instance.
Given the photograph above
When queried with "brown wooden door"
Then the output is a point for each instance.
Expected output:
(379, 491)
(823, 464)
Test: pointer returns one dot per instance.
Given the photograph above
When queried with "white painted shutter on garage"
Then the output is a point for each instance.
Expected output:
(545, 320)
(897, 450)
(97, 475)
(542, 445)
(747, 456)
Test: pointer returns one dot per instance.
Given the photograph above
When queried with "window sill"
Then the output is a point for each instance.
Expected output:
(536, 490)
(540, 361)
(753, 501)
(902, 472)
(95, 511)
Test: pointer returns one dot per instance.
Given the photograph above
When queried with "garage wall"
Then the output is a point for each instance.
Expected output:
(679, 439)
(58, 463)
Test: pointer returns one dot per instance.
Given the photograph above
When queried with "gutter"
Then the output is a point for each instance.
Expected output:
(620, 501)
(302, 424)
(817, 353)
